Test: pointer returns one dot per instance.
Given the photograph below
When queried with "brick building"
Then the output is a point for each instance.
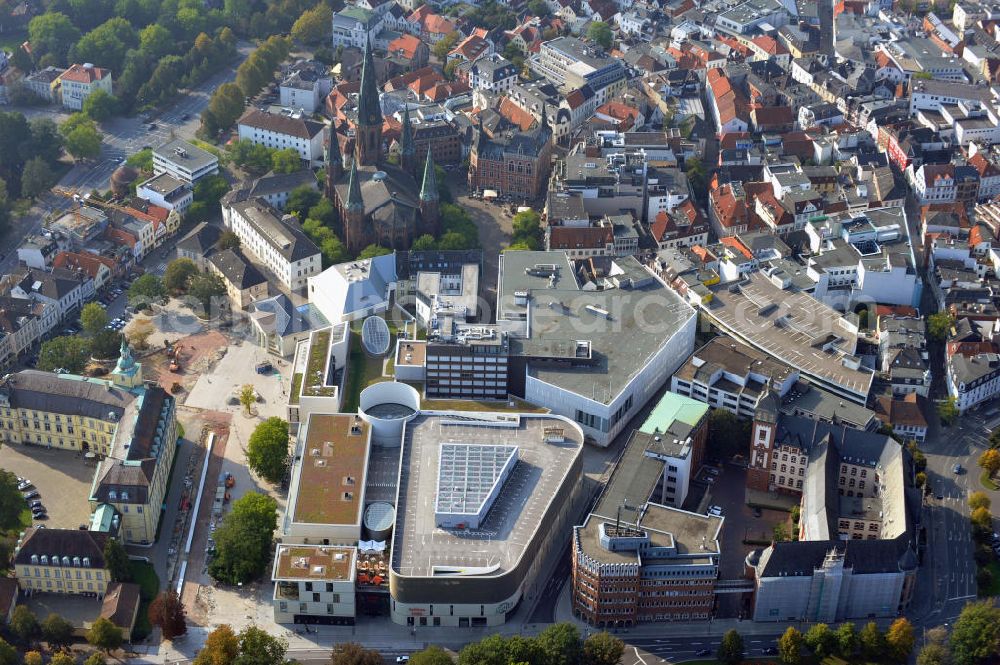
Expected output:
(509, 161)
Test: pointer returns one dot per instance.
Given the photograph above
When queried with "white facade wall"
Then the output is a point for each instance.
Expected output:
(309, 149)
(293, 275)
(640, 389)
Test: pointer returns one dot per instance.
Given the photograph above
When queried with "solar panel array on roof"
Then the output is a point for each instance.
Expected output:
(469, 479)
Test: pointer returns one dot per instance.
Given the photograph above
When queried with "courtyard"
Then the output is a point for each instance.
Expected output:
(61, 477)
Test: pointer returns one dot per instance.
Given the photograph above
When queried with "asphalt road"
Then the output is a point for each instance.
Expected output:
(639, 650)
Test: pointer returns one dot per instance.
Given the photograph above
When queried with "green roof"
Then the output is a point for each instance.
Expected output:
(673, 407)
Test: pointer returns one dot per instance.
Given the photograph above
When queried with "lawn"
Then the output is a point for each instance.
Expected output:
(987, 482)
(316, 366)
(520, 406)
(362, 371)
(296, 386)
(145, 576)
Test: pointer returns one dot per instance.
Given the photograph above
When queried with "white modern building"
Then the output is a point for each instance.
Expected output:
(184, 161)
(284, 130)
(275, 240)
(354, 290)
(167, 192)
(593, 356)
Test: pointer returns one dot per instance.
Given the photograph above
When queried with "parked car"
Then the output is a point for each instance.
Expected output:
(23, 484)
(36, 503)
(33, 494)
(40, 515)
(402, 659)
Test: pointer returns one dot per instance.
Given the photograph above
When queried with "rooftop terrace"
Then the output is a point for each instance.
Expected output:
(328, 480)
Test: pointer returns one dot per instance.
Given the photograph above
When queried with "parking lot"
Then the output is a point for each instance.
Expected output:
(61, 477)
(742, 525)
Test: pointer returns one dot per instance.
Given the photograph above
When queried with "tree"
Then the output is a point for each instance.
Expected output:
(104, 635)
(872, 642)
(847, 640)
(156, 41)
(52, 33)
(167, 612)
(243, 540)
(900, 639)
(139, 332)
(57, 631)
(600, 33)
(37, 177)
(948, 410)
(979, 500)
(117, 562)
(939, 325)
(934, 654)
(221, 647)
(821, 640)
(423, 243)
(352, 653)
(24, 625)
(527, 229)
(371, 251)
(602, 649)
(107, 44)
(727, 435)
(286, 161)
(538, 8)
(45, 141)
(69, 353)
(560, 644)
(303, 199)
(205, 288)
(258, 647)
(8, 654)
(920, 480)
(780, 532)
(975, 637)
(731, 648)
(226, 104)
(432, 655)
(12, 504)
(178, 274)
(228, 240)
(93, 318)
(63, 658)
(33, 658)
(96, 658)
(267, 450)
(313, 27)
(80, 136)
(100, 106)
(445, 45)
(790, 646)
(146, 289)
(990, 460)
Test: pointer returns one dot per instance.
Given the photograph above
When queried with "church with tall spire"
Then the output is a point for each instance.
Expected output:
(379, 202)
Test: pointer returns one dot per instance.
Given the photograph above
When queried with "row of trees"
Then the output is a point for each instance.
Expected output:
(871, 644)
(57, 632)
(974, 639)
(559, 644)
(982, 532)
(229, 99)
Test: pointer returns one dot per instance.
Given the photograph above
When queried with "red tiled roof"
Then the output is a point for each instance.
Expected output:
(729, 210)
(471, 47)
(405, 46)
(81, 74)
(580, 237)
(770, 45)
(89, 263)
(737, 245)
(986, 168)
(515, 114)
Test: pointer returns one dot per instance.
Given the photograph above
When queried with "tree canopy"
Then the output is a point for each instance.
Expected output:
(167, 612)
(68, 352)
(243, 540)
(267, 450)
(975, 637)
(600, 33)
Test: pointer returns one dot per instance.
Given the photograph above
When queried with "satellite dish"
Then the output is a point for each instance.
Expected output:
(375, 335)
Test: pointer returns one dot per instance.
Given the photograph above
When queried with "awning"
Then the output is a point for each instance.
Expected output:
(489, 193)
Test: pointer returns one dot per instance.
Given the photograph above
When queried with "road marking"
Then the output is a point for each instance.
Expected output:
(636, 649)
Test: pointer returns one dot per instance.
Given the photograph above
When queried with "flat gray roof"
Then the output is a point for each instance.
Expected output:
(642, 315)
(793, 327)
(182, 153)
(421, 548)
